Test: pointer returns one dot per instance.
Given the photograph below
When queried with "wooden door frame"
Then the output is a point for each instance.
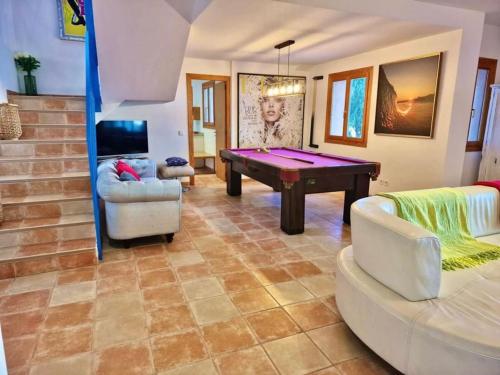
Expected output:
(189, 89)
(491, 66)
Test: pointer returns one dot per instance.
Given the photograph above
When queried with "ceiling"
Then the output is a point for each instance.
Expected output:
(490, 7)
(248, 30)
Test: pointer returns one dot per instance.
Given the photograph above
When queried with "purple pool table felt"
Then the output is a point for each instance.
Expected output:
(318, 160)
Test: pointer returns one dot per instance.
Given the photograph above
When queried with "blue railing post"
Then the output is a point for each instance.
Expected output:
(93, 105)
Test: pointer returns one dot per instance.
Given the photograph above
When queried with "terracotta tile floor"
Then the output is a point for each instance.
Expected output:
(231, 295)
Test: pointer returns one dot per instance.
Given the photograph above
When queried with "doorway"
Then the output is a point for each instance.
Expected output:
(208, 107)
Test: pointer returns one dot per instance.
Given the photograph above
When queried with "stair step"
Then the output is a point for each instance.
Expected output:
(37, 141)
(46, 206)
(30, 224)
(27, 185)
(44, 177)
(44, 198)
(42, 231)
(54, 147)
(41, 167)
(26, 260)
(52, 117)
(11, 159)
(66, 132)
(39, 125)
(13, 94)
(57, 247)
(48, 102)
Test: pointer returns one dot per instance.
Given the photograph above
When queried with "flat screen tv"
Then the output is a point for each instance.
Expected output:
(121, 137)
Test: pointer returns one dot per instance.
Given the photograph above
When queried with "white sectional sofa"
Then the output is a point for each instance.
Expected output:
(394, 295)
(139, 208)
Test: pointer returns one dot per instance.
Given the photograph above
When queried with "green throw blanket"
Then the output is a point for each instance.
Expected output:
(444, 213)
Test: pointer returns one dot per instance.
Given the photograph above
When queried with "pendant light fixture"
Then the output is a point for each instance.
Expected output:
(285, 85)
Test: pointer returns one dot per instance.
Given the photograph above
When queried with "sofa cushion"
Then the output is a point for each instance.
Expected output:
(176, 162)
(126, 176)
(175, 172)
(122, 167)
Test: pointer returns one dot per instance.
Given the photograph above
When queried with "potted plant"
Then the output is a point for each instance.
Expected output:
(28, 64)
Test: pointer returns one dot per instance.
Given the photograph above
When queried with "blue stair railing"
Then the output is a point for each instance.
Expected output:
(93, 105)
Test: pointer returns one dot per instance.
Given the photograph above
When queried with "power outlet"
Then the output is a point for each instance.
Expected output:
(383, 182)
(180, 133)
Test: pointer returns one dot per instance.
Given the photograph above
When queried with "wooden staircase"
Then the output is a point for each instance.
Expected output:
(45, 189)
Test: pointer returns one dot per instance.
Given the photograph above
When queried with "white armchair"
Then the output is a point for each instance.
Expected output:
(139, 208)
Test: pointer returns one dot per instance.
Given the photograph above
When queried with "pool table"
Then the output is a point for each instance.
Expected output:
(295, 173)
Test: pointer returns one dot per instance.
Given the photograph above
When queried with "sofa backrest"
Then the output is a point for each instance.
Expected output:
(405, 257)
(482, 209)
(144, 167)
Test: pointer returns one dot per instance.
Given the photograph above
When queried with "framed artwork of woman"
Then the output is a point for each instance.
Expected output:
(276, 121)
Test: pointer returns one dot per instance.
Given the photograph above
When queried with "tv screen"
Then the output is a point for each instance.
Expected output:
(119, 137)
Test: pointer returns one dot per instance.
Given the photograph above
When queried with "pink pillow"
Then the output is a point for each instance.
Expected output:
(124, 167)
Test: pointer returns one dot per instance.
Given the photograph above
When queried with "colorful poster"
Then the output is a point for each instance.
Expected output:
(268, 121)
(71, 19)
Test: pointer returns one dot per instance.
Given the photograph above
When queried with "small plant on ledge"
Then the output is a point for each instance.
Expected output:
(27, 63)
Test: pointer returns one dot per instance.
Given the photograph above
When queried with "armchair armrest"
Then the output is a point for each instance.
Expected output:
(404, 257)
(139, 191)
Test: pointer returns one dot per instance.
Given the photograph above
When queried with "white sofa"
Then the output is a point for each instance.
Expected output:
(392, 292)
(139, 208)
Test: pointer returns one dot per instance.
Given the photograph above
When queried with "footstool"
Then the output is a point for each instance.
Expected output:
(166, 172)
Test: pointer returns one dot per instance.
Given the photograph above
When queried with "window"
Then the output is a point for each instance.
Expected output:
(208, 104)
(348, 107)
(484, 79)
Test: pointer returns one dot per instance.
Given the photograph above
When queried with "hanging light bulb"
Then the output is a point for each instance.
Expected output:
(296, 87)
(286, 84)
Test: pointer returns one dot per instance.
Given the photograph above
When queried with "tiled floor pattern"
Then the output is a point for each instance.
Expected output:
(231, 294)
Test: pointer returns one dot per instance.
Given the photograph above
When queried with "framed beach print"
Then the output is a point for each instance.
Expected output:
(264, 121)
(407, 96)
(71, 14)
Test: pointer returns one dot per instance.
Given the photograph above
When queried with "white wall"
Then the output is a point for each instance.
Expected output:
(32, 26)
(407, 163)
(490, 47)
(167, 120)
(140, 49)
(8, 80)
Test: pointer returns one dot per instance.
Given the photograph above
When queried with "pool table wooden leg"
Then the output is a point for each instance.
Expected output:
(360, 190)
(292, 208)
(233, 180)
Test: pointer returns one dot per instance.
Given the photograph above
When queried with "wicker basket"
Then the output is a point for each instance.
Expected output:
(10, 123)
